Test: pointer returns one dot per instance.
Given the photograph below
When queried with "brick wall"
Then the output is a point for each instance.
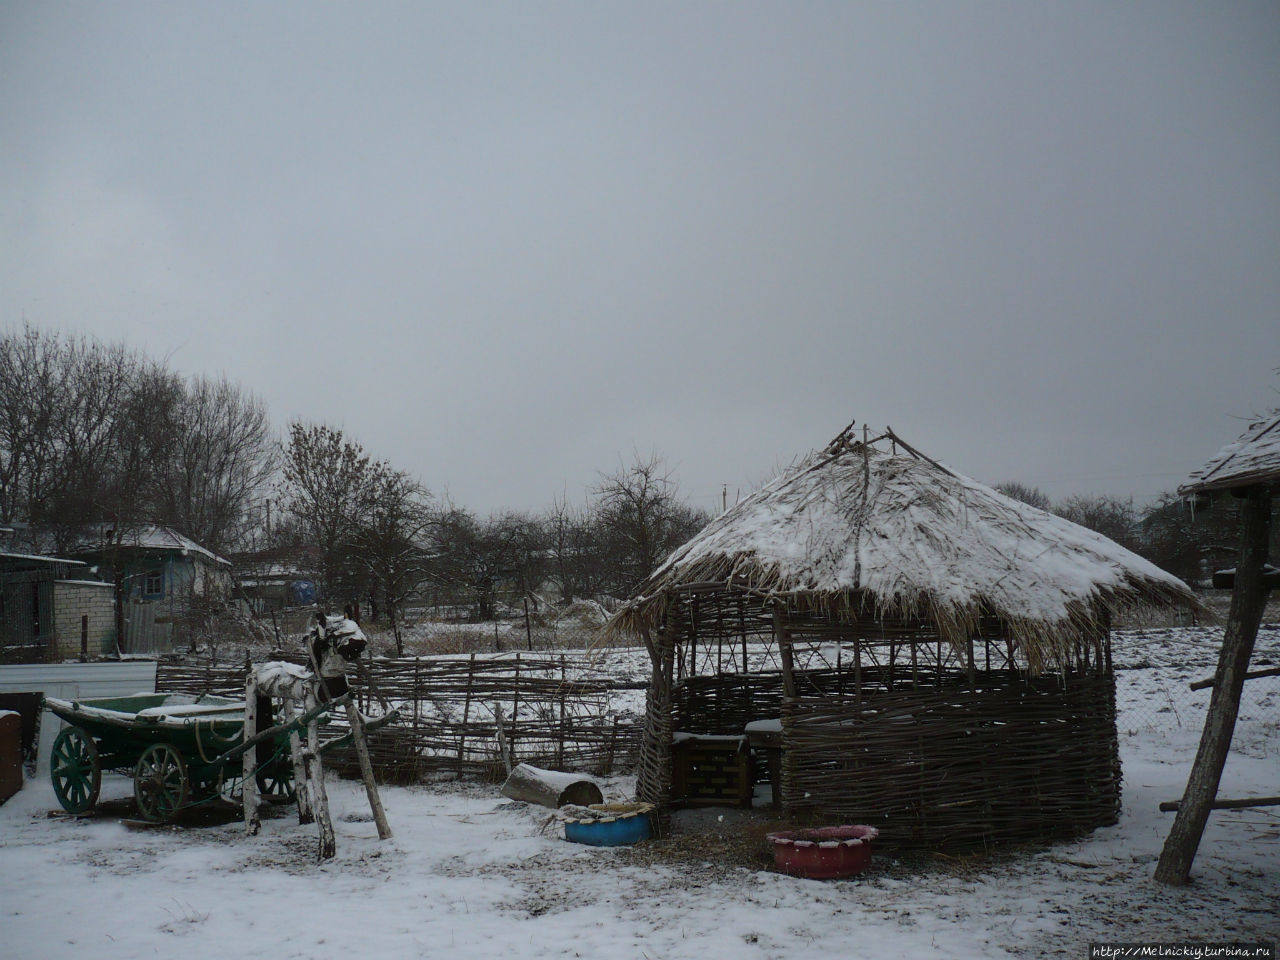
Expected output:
(73, 599)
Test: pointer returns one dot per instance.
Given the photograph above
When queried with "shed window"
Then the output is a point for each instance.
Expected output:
(153, 583)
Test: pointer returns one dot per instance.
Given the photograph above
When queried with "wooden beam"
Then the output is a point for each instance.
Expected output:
(1251, 675)
(1247, 602)
(1169, 806)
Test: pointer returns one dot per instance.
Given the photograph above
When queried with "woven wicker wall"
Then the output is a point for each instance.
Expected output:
(952, 768)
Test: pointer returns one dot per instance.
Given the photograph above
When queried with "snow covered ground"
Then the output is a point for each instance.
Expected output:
(471, 874)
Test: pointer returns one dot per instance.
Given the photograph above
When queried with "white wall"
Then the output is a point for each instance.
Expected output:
(75, 681)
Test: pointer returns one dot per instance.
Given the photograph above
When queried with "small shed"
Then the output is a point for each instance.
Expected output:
(881, 640)
(45, 615)
(1248, 468)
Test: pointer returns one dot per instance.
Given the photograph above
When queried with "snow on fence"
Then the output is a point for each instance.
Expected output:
(473, 716)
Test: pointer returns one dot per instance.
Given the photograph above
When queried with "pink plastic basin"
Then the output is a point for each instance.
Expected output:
(823, 853)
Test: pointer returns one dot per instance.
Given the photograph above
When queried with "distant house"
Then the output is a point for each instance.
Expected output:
(268, 583)
(48, 607)
(160, 571)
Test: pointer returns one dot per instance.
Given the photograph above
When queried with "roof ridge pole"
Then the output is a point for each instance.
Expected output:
(1247, 602)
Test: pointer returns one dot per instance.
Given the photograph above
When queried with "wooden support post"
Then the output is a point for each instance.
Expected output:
(466, 715)
(248, 761)
(1247, 602)
(361, 742)
(315, 784)
(784, 650)
(502, 739)
(305, 816)
(561, 735)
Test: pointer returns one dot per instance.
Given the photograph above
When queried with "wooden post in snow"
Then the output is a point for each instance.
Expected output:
(1247, 602)
(249, 783)
(305, 816)
(361, 741)
(315, 783)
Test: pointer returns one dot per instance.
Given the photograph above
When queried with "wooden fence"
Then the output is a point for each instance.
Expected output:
(460, 715)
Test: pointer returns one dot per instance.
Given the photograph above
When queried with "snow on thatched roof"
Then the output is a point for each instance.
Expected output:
(913, 538)
(1253, 457)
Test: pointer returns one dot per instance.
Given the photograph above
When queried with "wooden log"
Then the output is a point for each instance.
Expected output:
(248, 763)
(279, 728)
(1169, 806)
(366, 771)
(315, 783)
(1247, 602)
(550, 788)
(305, 815)
(1251, 675)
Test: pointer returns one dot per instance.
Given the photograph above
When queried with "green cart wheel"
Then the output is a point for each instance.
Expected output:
(276, 785)
(75, 770)
(160, 782)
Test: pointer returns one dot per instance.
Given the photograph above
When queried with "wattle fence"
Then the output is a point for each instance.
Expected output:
(470, 716)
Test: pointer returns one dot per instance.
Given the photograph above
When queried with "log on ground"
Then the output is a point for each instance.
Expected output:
(550, 788)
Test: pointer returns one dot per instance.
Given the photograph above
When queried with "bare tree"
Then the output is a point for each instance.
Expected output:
(326, 483)
(475, 558)
(389, 541)
(219, 461)
(643, 519)
(1033, 496)
(1110, 516)
(572, 544)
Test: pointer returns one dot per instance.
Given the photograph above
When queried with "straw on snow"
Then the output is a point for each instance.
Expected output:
(854, 524)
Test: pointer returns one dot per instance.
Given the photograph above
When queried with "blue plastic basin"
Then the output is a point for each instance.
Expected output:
(610, 833)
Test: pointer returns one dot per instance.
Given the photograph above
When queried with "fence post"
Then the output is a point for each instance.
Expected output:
(466, 713)
(560, 751)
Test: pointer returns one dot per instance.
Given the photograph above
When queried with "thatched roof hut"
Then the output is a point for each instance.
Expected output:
(890, 593)
(1251, 459)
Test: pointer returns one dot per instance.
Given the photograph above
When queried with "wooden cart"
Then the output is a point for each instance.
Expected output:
(182, 751)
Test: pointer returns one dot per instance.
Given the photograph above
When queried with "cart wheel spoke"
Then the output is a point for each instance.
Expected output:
(160, 782)
(75, 770)
(276, 784)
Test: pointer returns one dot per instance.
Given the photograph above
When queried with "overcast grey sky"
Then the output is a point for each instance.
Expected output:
(503, 245)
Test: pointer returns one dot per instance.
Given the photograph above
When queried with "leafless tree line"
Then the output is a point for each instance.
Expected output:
(380, 537)
(92, 434)
(1187, 542)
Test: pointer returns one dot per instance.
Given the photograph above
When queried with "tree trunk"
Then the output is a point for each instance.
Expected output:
(249, 782)
(1247, 602)
(315, 785)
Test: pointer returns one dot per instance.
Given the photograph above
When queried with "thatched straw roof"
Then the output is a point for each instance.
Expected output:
(1253, 457)
(881, 524)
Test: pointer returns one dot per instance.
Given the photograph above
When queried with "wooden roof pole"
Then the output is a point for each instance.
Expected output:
(784, 649)
(1247, 602)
